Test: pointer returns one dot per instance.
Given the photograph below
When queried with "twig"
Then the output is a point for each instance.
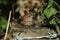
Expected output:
(36, 37)
(48, 36)
(7, 25)
(22, 36)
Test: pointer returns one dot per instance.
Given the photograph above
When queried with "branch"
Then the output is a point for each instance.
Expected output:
(7, 25)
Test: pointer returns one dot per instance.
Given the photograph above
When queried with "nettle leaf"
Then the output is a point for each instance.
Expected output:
(52, 22)
(49, 12)
(3, 22)
(50, 3)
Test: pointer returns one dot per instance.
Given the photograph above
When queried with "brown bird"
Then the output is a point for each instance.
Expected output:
(26, 11)
(27, 19)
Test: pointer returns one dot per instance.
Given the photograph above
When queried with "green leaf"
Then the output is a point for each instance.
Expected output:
(49, 12)
(3, 22)
(57, 20)
(50, 3)
(36, 10)
(1, 28)
(52, 22)
(42, 17)
(5, 2)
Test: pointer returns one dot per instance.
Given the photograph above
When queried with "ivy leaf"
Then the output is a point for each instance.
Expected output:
(49, 12)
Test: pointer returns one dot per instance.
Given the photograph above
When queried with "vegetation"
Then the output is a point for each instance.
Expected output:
(49, 14)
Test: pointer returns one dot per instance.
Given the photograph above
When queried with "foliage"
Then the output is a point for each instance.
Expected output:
(48, 13)
(3, 23)
(5, 2)
(50, 3)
